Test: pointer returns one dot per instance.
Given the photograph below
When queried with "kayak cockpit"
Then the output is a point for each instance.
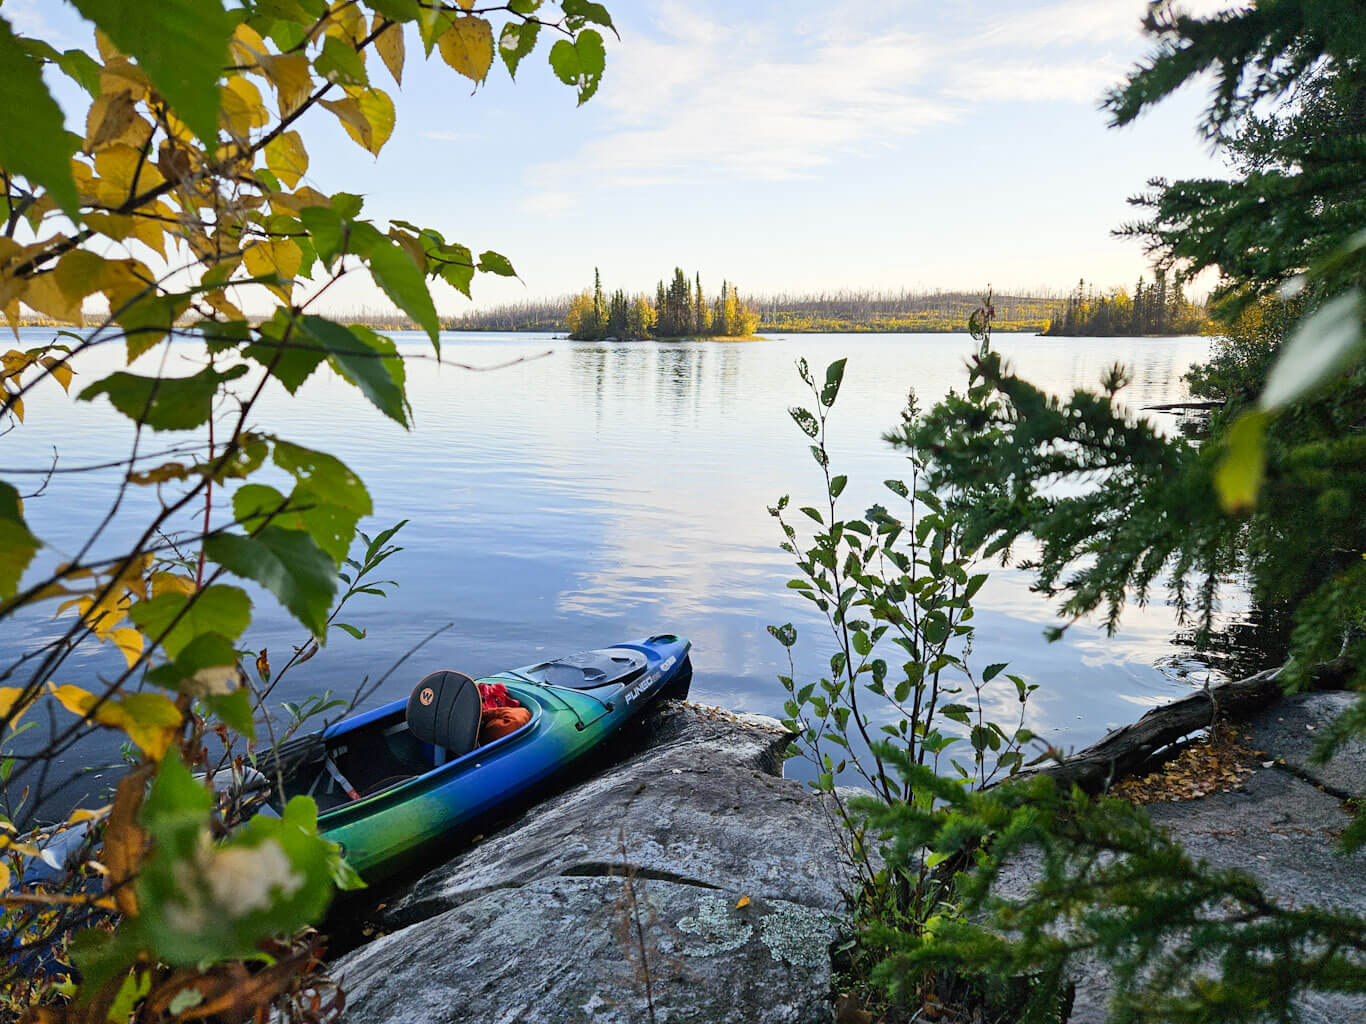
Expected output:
(436, 730)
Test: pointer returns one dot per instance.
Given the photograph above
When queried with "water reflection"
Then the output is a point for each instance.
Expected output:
(612, 490)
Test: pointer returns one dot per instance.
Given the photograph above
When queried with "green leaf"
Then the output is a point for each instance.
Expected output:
(516, 41)
(181, 44)
(935, 628)
(164, 403)
(217, 609)
(577, 12)
(397, 276)
(1323, 346)
(491, 262)
(834, 376)
(234, 710)
(837, 485)
(580, 63)
(82, 69)
(804, 419)
(398, 10)
(33, 141)
(332, 526)
(1238, 477)
(327, 229)
(327, 476)
(289, 564)
(339, 62)
(17, 544)
(290, 358)
(367, 360)
(992, 671)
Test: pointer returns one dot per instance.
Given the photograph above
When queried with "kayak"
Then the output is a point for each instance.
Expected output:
(396, 782)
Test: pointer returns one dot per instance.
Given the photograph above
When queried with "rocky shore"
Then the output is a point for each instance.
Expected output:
(691, 882)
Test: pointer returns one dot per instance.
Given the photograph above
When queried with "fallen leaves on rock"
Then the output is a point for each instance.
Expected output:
(1215, 765)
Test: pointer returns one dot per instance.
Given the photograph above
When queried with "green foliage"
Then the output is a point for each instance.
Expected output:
(181, 44)
(1183, 941)
(192, 149)
(32, 142)
(1152, 310)
(896, 591)
(1272, 491)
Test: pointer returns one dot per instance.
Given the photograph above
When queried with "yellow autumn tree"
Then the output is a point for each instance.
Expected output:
(187, 180)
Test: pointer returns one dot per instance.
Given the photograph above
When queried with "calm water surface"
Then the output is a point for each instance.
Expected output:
(606, 491)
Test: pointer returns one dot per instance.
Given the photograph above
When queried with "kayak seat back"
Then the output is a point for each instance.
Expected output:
(444, 710)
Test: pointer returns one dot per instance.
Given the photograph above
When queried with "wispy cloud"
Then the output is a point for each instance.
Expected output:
(446, 136)
(695, 100)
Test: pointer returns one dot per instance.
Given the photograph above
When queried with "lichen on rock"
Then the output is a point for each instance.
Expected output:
(717, 928)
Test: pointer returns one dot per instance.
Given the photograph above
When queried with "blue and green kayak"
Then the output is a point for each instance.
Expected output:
(398, 782)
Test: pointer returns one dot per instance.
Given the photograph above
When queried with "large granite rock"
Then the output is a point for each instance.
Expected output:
(1282, 825)
(691, 877)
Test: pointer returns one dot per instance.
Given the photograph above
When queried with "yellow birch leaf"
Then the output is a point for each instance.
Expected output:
(411, 246)
(389, 43)
(129, 642)
(15, 362)
(16, 406)
(4, 876)
(171, 583)
(347, 23)
(151, 720)
(111, 225)
(467, 46)
(151, 232)
(60, 371)
(123, 281)
(108, 119)
(286, 156)
(220, 302)
(13, 704)
(279, 256)
(293, 80)
(45, 296)
(12, 315)
(349, 114)
(81, 814)
(73, 698)
(742, 903)
(85, 180)
(246, 45)
(283, 202)
(242, 109)
(105, 45)
(120, 167)
(120, 74)
(78, 273)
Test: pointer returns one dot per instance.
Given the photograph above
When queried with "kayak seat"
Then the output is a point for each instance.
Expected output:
(444, 710)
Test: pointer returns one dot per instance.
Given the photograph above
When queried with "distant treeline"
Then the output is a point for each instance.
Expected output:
(1158, 308)
(679, 310)
(1155, 308)
(903, 311)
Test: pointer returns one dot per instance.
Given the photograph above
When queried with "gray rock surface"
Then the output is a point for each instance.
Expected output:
(557, 917)
(1280, 827)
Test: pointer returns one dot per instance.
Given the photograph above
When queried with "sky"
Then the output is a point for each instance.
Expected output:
(791, 146)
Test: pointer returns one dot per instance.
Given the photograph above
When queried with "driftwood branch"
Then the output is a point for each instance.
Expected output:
(1121, 752)
(1173, 406)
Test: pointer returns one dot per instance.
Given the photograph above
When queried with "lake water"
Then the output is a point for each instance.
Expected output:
(605, 491)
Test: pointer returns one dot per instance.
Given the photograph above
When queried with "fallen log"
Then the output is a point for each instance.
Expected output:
(1173, 406)
(1120, 752)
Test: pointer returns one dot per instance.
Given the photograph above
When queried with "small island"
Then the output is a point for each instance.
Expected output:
(679, 311)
